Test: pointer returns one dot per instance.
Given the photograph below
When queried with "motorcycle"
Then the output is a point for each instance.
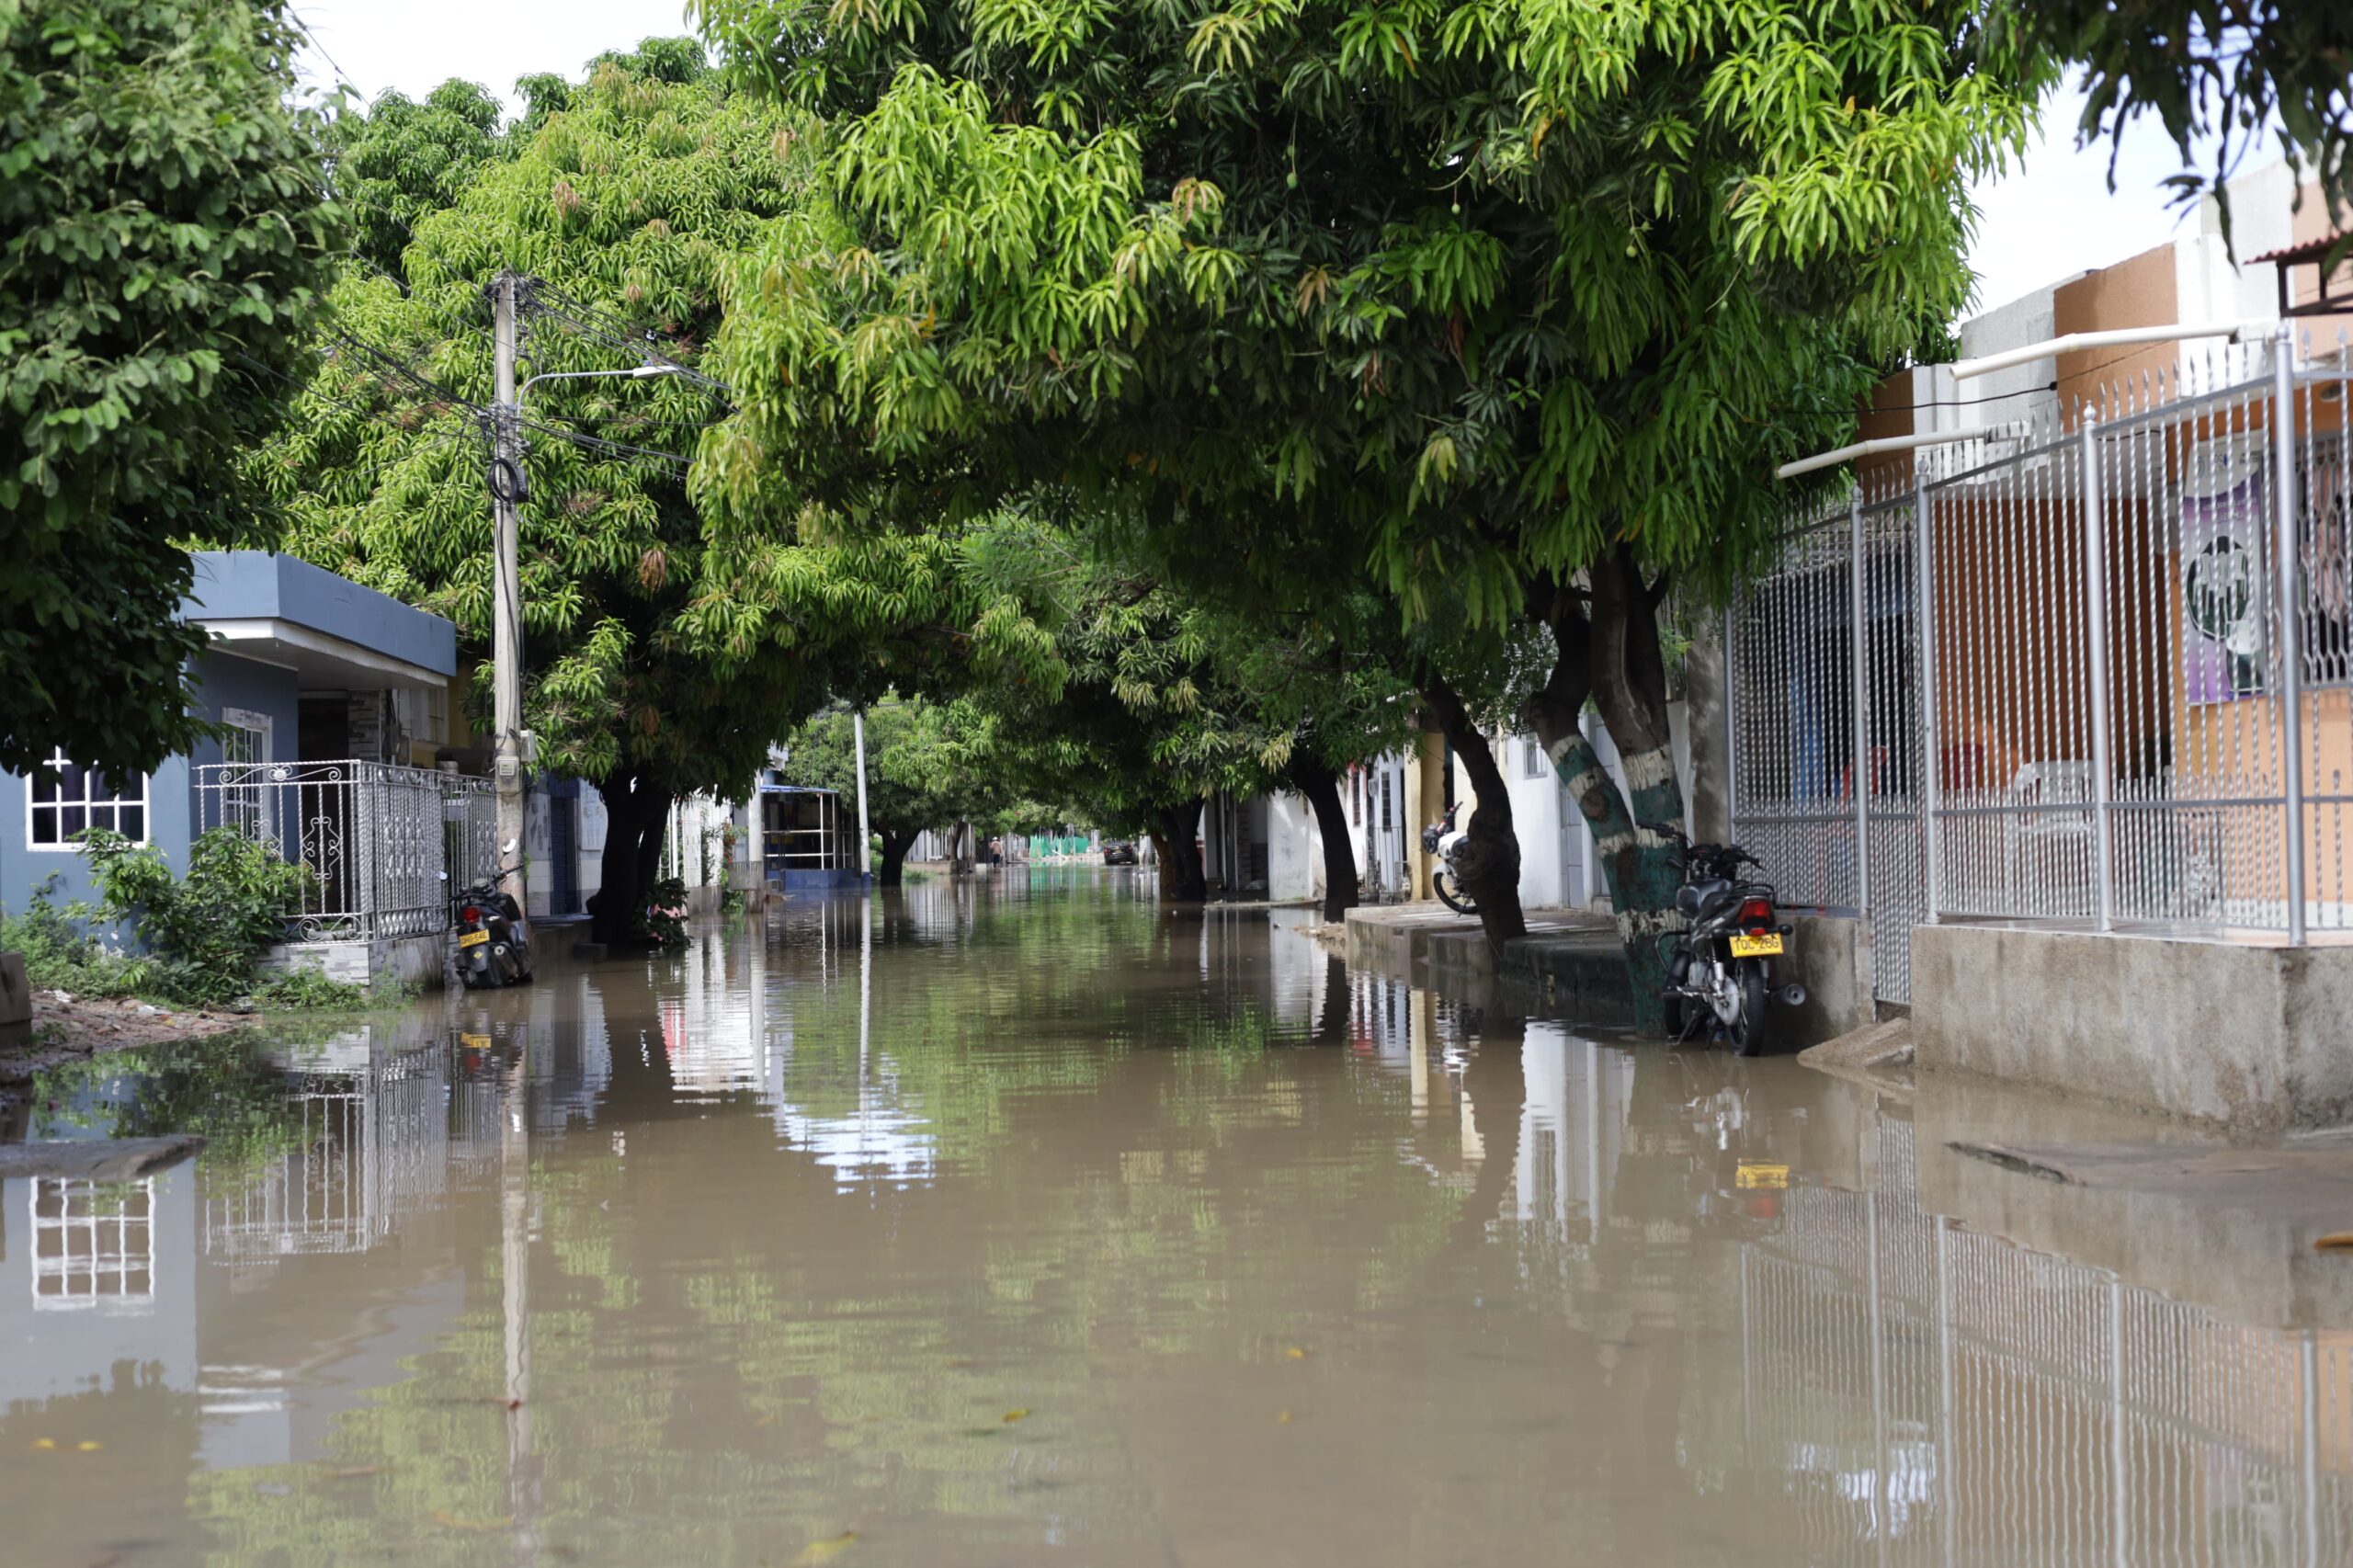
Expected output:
(1716, 968)
(493, 940)
(1443, 839)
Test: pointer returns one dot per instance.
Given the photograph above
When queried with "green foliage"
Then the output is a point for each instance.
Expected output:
(59, 953)
(665, 914)
(403, 159)
(2237, 73)
(208, 928)
(164, 242)
(1459, 293)
(650, 653)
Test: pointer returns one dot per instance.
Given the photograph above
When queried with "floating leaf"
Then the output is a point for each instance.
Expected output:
(45, 1445)
(89, 1445)
(1295, 1353)
(1282, 1418)
(1012, 1415)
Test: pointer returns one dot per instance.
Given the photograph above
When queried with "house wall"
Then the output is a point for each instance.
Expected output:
(222, 681)
(1294, 850)
(22, 869)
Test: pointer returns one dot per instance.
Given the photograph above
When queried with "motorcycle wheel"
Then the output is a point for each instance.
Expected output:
(1443, 885)
(1746, 1031)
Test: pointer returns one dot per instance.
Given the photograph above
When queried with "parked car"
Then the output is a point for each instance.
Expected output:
(1118, 853)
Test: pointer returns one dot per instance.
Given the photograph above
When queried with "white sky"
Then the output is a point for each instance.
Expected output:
(2052, 218)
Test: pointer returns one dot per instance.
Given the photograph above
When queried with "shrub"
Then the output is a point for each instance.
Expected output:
(208, 930)
(60, 954)
(665, 914)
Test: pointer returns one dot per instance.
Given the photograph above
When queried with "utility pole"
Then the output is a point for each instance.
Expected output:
(507, 490)
(858, 739)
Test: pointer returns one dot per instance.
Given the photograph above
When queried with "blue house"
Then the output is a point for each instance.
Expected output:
(331, 694)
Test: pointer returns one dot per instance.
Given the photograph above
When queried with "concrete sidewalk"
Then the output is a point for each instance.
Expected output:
(1571, 956)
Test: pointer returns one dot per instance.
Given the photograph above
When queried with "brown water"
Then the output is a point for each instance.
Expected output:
(1025, 1224)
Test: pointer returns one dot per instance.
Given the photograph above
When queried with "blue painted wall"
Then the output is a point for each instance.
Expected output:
(22, 867)
(221, 681)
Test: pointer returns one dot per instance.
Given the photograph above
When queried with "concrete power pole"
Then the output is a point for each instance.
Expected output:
(858, 738)
(507, 491)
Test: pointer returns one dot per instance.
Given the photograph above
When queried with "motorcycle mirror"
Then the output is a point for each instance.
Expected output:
(445, 876)
(509, 848)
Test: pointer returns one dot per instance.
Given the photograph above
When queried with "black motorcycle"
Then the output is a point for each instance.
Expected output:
(493, 941)
(1718, 967)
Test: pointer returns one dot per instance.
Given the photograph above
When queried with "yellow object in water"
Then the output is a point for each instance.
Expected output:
(818, 1551)
(1758, 1173)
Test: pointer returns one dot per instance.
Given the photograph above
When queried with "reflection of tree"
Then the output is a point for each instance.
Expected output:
(224, 1087)
(729, 1358)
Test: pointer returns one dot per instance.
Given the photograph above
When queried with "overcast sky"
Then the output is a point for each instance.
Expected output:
(2052, 218)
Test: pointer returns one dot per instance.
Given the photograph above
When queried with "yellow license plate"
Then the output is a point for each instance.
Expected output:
(476, 938)
(1756, 946)
(1756, 1173)
(474, 1041)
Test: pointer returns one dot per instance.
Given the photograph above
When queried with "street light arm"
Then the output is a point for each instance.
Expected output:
(635, 373)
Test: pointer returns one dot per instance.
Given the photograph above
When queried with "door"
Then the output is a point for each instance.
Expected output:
(563, 847)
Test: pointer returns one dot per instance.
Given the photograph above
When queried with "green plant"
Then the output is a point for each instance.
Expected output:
(59, 953)
(665, 914)
(208, 928)
(304, 986)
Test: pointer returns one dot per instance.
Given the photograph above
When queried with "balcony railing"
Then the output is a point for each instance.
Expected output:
(376, 839)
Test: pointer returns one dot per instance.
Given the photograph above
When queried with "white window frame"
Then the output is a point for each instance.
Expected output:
(260, 725)
(58, 762)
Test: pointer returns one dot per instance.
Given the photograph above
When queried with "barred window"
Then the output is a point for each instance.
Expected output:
(63, 798)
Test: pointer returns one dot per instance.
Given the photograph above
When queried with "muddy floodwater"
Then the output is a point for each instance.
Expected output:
(1020, 1222)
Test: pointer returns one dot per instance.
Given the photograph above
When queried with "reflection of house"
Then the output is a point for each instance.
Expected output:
(328, 692)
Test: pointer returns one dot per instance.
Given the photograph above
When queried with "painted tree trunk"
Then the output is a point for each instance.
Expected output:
(1642, 868)
(1321, 787)
(960, 854)
(1489, 863)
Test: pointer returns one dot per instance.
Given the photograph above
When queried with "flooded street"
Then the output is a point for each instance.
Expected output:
(1023, 1222)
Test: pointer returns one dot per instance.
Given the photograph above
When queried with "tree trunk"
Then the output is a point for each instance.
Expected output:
(894, 857)
(959, 853)
(1612, 655)
(1490, 863)
(1182, 877)
(637, 811)
(1321, 786)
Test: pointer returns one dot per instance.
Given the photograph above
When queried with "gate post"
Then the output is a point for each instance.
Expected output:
(2096, 624)
(1859, 750)
(1924, 619)
(2291, 643)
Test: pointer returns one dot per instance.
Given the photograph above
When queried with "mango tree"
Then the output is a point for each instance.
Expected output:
(1510, 308)
(657, 664)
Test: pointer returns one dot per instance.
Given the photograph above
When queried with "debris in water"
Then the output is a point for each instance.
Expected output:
(818, 1551)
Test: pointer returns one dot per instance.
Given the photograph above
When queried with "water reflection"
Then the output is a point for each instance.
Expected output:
(1018, 1221)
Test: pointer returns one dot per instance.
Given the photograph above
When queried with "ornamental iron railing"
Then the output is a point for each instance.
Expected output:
(376, 839)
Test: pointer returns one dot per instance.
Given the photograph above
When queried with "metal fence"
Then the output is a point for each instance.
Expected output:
(2046, 674)
(376, 839)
